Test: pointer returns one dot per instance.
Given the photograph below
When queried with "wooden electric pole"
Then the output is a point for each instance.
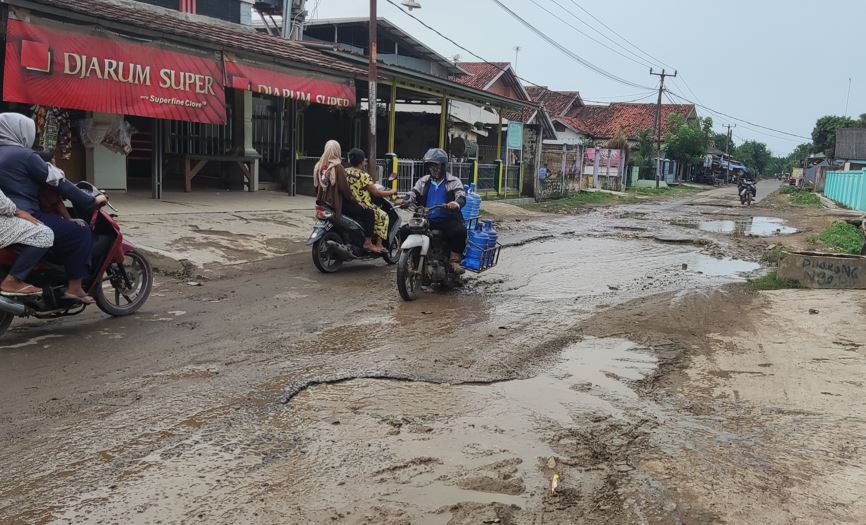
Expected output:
(658, 126)
(372, 98)
(727, 149)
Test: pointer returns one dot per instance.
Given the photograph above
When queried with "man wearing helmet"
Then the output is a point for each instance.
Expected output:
(436, 187)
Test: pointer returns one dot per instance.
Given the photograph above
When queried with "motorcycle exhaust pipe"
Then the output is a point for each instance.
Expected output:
(11, 307)
(340, 250)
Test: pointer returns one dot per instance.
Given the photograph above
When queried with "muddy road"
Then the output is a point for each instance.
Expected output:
(612, 351)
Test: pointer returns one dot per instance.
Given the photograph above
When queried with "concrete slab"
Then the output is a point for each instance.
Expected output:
(204, 231)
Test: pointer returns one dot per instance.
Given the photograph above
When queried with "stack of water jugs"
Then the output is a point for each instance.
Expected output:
(482, 237)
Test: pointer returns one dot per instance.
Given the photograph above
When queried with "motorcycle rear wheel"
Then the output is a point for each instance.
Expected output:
(408, 279)
(127, 299)
(323, 259)
(393, 254)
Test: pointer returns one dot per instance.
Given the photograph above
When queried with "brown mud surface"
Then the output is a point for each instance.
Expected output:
(637, 372)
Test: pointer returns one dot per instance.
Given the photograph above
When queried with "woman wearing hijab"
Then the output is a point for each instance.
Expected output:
(22, 174)
(332, 188)
(19, 227)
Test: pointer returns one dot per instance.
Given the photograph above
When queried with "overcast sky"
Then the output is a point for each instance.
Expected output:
(777, 63)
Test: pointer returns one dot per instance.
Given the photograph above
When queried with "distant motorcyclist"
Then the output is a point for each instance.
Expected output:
(439, 187)
(746, 180)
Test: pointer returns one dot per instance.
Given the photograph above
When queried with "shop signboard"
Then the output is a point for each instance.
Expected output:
(109, 74)
(306, 87)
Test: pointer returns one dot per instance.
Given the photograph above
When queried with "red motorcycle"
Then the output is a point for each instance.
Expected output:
(120, 282)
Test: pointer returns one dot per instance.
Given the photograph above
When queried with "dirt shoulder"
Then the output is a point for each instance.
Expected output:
(760, 412)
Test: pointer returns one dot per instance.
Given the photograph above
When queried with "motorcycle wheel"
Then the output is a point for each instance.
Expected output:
(408, 280)
(323, 259)
(393, 253)
(115, 297)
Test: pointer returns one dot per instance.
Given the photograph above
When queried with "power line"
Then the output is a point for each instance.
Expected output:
(619, 35)
(640, 61)
(619, 101)
(711, 110)
(574, 56)
(462, 48)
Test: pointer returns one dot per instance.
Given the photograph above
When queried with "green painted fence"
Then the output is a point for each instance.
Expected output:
(847, 187)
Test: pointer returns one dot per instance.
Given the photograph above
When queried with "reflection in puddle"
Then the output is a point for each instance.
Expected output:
(757, 226)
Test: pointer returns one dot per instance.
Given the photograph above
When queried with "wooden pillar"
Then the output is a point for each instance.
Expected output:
(392, 116)
(443, 118)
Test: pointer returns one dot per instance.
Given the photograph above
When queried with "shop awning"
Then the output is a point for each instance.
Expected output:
(272, 80)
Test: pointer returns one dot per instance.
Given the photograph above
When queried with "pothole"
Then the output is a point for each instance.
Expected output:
(748, 226)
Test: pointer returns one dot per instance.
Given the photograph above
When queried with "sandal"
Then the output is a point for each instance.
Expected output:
(83, 299)
(25, 291)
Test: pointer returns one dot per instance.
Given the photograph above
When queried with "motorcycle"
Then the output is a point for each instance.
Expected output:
(337, 241)
(747, 190)
(425, 258)
(120, 281)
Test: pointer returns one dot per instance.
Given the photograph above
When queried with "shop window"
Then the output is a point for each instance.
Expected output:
(269, 131)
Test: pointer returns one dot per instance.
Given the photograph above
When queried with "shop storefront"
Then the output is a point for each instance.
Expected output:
(128, 112)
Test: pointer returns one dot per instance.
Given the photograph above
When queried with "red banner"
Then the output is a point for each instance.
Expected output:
(339, 93)
(76, 71)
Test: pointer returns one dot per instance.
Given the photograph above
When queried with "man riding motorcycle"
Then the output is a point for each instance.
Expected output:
(747, 179)
(438, 187)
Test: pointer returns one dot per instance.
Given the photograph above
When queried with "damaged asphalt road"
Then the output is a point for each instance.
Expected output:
(636, 371)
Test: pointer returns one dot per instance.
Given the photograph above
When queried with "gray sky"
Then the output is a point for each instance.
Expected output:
(770, 62)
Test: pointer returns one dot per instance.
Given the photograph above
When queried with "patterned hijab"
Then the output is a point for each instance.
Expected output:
(323, 173)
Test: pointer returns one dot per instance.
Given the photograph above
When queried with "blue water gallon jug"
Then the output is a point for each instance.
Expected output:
(492, 238)
(477, 239)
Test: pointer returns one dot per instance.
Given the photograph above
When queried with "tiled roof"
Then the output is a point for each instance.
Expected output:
(480, 74)
(232, 37)
(556, 103)
(606, 121)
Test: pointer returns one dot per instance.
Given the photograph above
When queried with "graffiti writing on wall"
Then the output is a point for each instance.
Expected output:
(830, 272)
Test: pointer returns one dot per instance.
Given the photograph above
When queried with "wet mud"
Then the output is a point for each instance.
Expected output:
(596, 376)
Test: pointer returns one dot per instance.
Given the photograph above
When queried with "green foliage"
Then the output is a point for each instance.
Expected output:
(775, 255)
(720, 141)
(796, 158)
(841, 237)
(771, 281)
(754, 155)
(775, 165)
(801, 197)
(824, 134)
(686, 142)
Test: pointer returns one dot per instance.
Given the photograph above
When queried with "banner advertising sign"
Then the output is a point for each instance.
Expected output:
(73, 70)
(338, 93)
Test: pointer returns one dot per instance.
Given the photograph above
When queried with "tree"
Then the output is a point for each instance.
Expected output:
(720, 141)
(824, 134)
(686, 142)
(796, 158)
(754, 155)
(645, 150)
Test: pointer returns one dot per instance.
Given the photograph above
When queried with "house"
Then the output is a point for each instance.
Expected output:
(600, 124)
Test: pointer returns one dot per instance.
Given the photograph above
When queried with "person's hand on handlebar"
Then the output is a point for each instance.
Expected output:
(452, 205)
(101, 200)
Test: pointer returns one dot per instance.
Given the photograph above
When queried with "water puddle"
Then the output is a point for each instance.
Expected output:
(577, 268)
(755, 226)
(423, 448)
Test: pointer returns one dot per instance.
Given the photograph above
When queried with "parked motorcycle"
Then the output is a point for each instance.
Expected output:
(337, 241)
(747, 190)
(425, 258)
(120, 281)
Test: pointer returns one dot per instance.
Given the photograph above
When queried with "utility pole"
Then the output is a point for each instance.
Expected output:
(372, 76)
(727, 149)
(658, 129)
